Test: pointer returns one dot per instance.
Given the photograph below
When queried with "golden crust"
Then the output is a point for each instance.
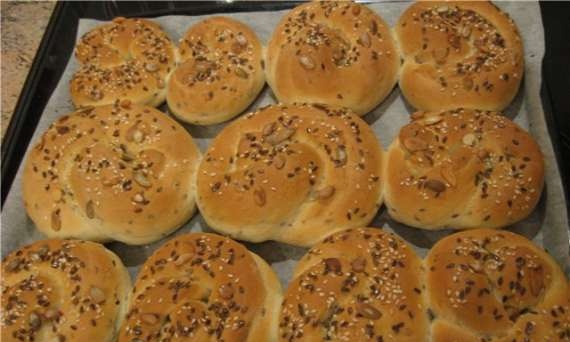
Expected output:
(291, 173)
(459, 54)
(56, 290)
(462, 169)
(124, 59)
(203, 285)
(356, 285)
(495, 284)
(119, 172)
(478, 285)
(220, 73)
(338, 53)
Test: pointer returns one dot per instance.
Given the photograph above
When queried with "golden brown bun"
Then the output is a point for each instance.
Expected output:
(220, 72)
(57, 290)
(119, 172)
(338, 53)
(356, 285)
(291, 173)
(203, 287)
(459, 54)
(462, 169)
(124, 59)
(487, 285)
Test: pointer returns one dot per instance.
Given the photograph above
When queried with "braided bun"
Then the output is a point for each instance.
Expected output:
(125, 59)
(333, 52)
(487, 285)
(292, 174)
(462, 169)
(221, 72)
(480, 285)
(356, 285)
(202, 287)
(56, 290)
(119, 172)
(459, 54)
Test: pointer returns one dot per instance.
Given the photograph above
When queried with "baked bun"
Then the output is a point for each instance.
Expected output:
(459, 54)
(220, 73)
(56, 290)
(119, 172)
(338, 53)
(124, 59)
(291, 173)
(462, 169)
(203, 287)
(488, 285)
(356, 285)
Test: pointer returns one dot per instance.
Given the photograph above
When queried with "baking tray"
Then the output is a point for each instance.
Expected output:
(58, 42)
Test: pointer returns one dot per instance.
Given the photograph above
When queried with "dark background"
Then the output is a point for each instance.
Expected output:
(58, 42)
(556, 81)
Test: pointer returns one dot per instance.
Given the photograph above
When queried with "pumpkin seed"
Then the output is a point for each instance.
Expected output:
(324, 193)
(413, 144)
(259, 197)
(90, 209)
(306, 62)
(469, 139)
(368, 311)
(142, 179)
(97, 295)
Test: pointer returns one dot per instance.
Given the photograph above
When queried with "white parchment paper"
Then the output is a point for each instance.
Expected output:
(547, 226)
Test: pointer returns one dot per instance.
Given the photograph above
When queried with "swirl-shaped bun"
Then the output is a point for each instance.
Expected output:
(478, 285)
(221, 72)
(462, 169)
(338, 53)
(119, 172)
(292, 174)
(459, 54)
(203, 287)
(124, 59)
(56, 290)
(356, 285)
(487, 285)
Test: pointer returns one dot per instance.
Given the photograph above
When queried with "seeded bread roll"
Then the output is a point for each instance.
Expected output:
(120, 172)
(221, 72)
(462, 169)
(124, 59)
(56, 290)
(338, 53)
(203, 287)
(291, 173)
(487, 285)
(459, 54)
(356, 285)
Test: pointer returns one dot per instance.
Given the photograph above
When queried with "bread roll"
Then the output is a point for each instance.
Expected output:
(56, 290)
(120, 172)
(478, 285)
(459, 54)
(124, 59)
(203, 287)
(291, 173)
(356, 285)
(338, 53)
(221, 72)
(462, 169)
(487, 285)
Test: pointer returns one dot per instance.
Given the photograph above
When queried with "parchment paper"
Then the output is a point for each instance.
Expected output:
(547, 226)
